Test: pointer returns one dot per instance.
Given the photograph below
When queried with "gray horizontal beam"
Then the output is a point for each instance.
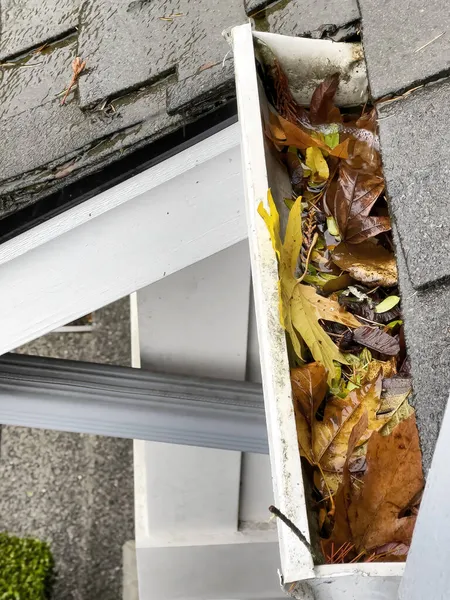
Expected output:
(131, 403)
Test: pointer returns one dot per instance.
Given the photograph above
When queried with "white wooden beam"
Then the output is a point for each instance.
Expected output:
(158, 222)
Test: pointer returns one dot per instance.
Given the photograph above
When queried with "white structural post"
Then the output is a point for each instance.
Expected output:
(202, 529)
(427, 571)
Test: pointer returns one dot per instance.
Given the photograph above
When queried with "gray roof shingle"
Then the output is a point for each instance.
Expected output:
(151, 67)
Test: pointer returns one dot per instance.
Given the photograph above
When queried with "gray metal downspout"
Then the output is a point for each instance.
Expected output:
(130, 403)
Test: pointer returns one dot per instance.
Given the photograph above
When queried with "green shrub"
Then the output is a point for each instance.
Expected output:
(26, 568)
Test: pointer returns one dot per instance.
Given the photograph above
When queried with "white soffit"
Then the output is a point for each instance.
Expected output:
(176, 213)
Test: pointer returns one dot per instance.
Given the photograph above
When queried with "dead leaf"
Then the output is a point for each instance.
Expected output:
(309, 386)
(295, 170)
(322, 108)
(368, 400)
(351, 201)
(376, 339)
(393, 479)
(317, 164)
(329, 309)
(388, 369)
(284, 133)
(306, 307)
(314, 440)
(364, 152)
(366, 262)
(300, 306)
(341, 528)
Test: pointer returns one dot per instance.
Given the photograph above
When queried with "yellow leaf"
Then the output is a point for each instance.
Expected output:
(272, 222)
(317, 164)
(367, 398)
(300, 306)
(293, 238)
(329, 309)
(305, 317)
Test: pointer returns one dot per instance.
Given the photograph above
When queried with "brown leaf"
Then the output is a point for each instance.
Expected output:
(341, 529)
(351, 201)
(364, 154)
(368, 402)
(322, 108)
(376, 339)
(314, 439)
(309, 386)
(367, 262)
(284, 133)
(392, 481)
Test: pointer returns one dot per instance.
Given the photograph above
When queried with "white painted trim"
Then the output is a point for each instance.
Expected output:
(142, 183)
(157, 230)
(225, 571)
(296, 561)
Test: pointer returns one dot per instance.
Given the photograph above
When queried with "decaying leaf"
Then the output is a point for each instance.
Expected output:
(317, 164)
(284, 133)
(295, 169)
(309, 386)
(300, 305)
(341, 529)
(322, 108)
(351, 201)
(368, 399)
(392, 481)
(394, 401)
(376, 339)
(354, 423)
(367, 262)
(327, 308)
(305, 309)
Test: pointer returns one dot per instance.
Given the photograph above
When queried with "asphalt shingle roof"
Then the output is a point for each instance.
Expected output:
(151, 67)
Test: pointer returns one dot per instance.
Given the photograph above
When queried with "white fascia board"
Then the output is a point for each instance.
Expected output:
(158, 222)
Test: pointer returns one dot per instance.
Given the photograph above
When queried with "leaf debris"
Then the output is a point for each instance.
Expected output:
(340, 307)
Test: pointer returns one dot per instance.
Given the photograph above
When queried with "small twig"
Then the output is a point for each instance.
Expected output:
(369, 321)
(171, 17)
(77, 67)
(430, 42)
(296, 531)
(308, 256)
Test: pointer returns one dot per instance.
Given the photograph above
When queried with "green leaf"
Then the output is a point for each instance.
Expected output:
(289, 202)
(393, 324)
(387, 304)
(332, 226)
(332, 139)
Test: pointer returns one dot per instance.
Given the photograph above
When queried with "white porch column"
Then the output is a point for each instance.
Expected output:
(202, 528)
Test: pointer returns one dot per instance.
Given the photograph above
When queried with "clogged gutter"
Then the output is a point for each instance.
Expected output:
(341, 309)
